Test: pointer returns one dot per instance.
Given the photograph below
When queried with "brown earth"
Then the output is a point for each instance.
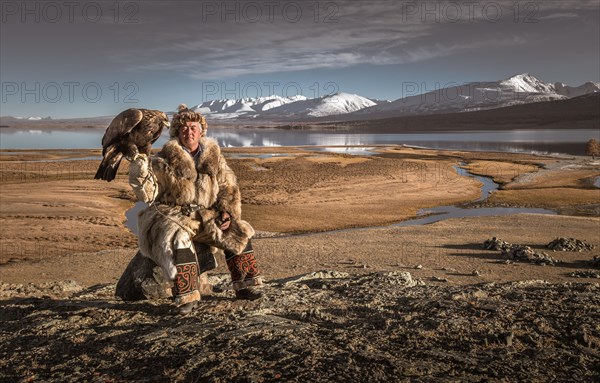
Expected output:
(465, 320)
(57, 220)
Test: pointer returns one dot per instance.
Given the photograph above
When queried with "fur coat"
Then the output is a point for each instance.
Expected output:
(174, 180)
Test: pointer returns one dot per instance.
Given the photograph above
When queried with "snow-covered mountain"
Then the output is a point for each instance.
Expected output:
(520, 89)
(525, 83)
(330, 105)
(34, 118)
(575, 91)
(284, 107)
(243, 107)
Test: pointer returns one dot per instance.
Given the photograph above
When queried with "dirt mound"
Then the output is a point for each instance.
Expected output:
(326, 327)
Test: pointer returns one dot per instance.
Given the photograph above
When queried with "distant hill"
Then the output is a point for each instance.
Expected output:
(47, 123)
(516, 90)
(581, 112)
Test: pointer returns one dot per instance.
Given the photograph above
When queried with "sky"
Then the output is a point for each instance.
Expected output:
(69, 59)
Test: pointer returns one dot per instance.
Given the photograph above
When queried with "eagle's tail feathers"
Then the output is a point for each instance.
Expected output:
(108, 167)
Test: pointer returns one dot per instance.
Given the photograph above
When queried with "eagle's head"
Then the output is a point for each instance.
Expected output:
(164, 120)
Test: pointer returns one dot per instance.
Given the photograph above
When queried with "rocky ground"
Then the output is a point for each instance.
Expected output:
(320, 327)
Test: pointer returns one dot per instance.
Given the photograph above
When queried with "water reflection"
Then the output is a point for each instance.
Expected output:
(450, 211)
(360, 151)
(445, 212)
(545, 141)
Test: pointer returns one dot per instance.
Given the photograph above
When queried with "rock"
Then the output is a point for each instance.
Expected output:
(323, 274)
(508, 339)
(67, 286)
(526, 253)
(476, 273)
(586, 274)
(144, 279)
(569, 244)
(521, 252)
(495, 244)
(220, 282)
(393, 278)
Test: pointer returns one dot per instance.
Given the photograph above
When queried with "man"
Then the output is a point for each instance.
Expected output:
(194, 198)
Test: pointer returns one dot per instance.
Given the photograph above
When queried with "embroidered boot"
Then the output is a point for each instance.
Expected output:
(186, 291)
(244, 273)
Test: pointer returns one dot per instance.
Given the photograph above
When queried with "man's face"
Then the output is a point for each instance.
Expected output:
(189, 135)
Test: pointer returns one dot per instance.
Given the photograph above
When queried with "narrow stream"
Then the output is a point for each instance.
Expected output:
(440, 213)
(424, 216)
(132, 216)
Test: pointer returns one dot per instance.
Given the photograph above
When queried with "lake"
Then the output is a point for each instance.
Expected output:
(537, 141)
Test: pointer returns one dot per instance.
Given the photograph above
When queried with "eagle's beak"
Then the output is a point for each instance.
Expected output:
(167, 123)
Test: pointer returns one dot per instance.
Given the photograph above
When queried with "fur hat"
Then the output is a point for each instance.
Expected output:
(183, 116)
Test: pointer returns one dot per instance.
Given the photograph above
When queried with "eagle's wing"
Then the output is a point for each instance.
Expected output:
(121, 125)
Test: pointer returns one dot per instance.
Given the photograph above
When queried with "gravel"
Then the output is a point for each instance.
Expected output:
(323, 327)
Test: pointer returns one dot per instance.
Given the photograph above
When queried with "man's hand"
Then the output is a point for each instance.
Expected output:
(225, 220)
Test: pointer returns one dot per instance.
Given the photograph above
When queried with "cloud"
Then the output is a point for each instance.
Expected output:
(373, 33)
(363, 33)
(559, 16)
(270, 60)
(190, 39)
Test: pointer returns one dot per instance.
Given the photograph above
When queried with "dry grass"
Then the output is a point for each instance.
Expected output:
(500, 172)
(547, 197)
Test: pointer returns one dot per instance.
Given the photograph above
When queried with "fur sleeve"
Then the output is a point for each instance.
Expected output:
(229, 198)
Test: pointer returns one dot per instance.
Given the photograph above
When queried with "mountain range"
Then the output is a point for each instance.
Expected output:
(516, 90)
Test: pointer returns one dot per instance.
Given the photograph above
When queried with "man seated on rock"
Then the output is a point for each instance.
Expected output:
(194, 199)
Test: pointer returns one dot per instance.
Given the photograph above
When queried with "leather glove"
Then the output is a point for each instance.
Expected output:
(141, 179)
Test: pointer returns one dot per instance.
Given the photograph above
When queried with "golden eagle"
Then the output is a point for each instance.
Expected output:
(131, 132)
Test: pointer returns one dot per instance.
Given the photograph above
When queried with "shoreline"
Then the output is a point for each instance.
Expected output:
(82, 153)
